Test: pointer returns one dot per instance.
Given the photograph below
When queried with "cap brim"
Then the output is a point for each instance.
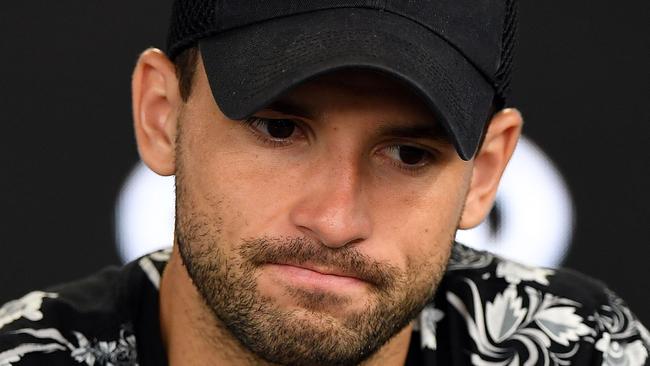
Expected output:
(251, 66)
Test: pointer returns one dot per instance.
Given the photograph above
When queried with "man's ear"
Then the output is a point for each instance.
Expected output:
(156, 104)
(500, 141)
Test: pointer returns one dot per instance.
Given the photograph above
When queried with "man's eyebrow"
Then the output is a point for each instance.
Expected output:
(430, 131)
(290, 108)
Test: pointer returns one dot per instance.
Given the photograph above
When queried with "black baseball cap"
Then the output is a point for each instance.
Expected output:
(456, 54)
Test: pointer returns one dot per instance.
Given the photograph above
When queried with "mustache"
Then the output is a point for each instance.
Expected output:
(302, 250)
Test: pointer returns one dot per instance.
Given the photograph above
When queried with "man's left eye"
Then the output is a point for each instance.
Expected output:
(409, 156)
(274, 128)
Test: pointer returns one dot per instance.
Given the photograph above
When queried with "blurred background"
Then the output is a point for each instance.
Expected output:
(74, 198)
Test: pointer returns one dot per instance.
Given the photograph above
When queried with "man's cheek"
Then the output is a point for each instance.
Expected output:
(247, 214)
(264, 207)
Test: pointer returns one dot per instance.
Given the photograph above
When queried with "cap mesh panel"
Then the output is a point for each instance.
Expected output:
(508, 44)
(191, 20)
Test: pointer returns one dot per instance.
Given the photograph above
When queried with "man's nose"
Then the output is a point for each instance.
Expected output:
(333, 206)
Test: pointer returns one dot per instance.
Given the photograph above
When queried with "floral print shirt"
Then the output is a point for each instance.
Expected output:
(488, 311)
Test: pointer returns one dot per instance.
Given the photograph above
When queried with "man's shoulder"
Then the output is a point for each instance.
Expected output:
(509, 309)
(491, 273)
(88, 321)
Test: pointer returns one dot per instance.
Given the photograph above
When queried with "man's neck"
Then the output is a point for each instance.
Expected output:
(192, 336)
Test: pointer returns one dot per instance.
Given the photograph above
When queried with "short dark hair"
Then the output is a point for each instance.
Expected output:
(186, 63)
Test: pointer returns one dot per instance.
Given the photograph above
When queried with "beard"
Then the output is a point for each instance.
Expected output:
(309, 335)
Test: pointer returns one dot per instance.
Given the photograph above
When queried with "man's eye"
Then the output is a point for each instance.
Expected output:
(274, 128)
(410, 156)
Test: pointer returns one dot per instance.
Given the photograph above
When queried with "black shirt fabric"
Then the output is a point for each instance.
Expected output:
(487, 311)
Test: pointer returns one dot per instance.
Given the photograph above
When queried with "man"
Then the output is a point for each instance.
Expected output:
(325, 154)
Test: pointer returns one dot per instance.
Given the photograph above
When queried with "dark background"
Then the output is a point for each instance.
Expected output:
(66, 136)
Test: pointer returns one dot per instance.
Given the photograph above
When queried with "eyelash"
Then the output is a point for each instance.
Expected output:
(431, 157)
(251, 121)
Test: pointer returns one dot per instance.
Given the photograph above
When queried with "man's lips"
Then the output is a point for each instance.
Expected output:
(321, 269)
(306, 274)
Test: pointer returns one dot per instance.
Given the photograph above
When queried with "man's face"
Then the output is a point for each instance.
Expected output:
(318, 229)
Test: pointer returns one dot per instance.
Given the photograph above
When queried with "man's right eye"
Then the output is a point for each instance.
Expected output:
(410, 158)
(276, 129)
(276, 132)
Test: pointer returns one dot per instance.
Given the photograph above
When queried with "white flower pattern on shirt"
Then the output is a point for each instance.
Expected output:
(617, 325)
(515, 272)
(548, 327)
(28, 307)
(546, 320)
(120, 352)
(624, 354)
(428, 319)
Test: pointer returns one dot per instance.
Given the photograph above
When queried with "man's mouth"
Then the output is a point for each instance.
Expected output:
(310, 262)
(324, 270)
(316, 277)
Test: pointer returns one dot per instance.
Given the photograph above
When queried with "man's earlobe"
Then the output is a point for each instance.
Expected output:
(490, 162)
(156, 105)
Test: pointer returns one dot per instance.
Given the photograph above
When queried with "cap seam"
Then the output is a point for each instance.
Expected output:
(218, 8)
(217, 27)
(449, 42)
(382, 6)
